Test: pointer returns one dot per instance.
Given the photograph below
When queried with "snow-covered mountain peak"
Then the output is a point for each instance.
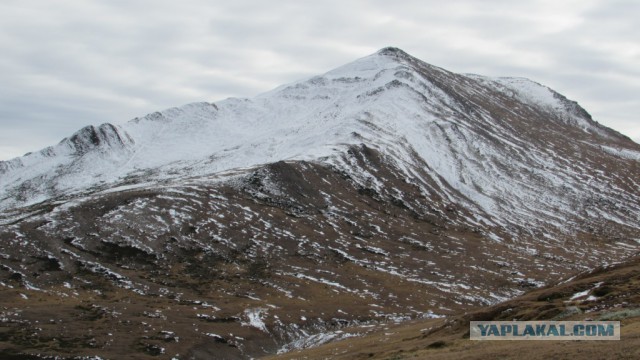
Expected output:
(474, 140)
(369, 66)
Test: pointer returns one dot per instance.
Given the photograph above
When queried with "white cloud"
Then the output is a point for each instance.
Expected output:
(69, 63)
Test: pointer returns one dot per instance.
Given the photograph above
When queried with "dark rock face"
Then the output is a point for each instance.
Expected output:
(105, 136)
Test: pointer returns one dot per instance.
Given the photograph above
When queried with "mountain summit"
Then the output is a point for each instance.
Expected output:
(384, 190)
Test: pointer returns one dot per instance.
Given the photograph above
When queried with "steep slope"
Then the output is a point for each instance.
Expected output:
(382, 191)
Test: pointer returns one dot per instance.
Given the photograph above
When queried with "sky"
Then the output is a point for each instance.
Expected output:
(66, 64)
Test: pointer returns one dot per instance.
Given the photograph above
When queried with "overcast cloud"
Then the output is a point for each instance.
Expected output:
(67, 64)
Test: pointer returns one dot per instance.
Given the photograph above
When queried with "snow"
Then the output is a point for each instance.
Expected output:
(315, 340)
(580, 294)
(584, 293)
(621, 152)
(255, 318)
(215, 336)
(324, 281)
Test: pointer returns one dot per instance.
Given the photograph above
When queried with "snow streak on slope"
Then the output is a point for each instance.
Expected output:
(512, 151)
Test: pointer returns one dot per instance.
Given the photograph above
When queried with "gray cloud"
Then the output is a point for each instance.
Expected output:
(67, 64)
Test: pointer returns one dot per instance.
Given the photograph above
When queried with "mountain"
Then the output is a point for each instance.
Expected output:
(610, 293)
(382, 191)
